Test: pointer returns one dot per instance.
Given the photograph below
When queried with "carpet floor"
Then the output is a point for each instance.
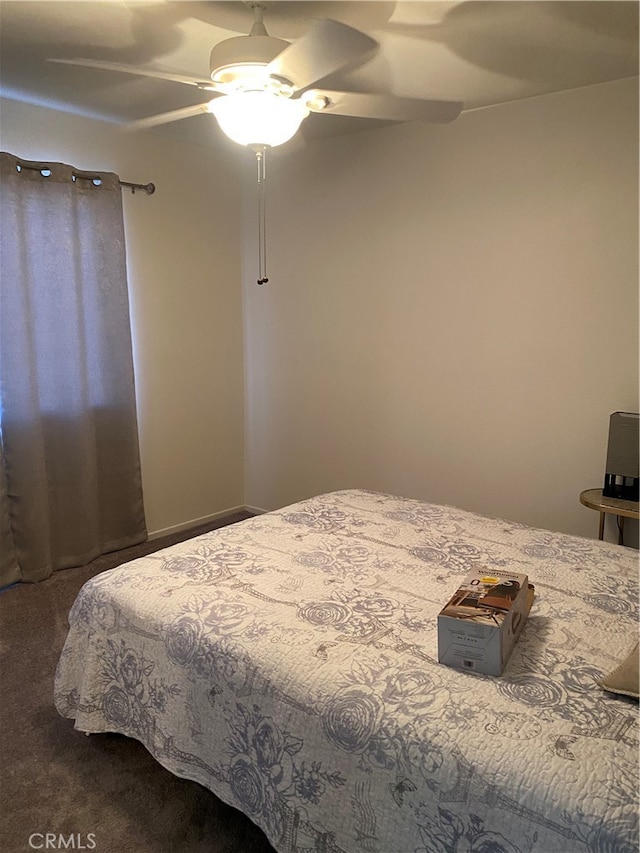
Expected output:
(62, 790)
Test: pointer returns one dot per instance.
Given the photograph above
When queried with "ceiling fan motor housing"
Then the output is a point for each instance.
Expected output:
(237, 64)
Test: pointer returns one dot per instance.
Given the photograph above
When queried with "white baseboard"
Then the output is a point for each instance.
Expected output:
(196, 522)
(255, 510)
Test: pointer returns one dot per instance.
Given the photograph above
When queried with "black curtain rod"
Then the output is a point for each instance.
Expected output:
(148, 188)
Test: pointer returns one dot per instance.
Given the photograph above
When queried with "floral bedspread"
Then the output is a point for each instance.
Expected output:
(289, 664)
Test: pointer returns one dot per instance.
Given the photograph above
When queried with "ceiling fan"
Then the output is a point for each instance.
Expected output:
(260, 91)
(259, 88)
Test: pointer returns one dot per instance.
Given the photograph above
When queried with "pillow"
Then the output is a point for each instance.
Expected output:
(624, 678)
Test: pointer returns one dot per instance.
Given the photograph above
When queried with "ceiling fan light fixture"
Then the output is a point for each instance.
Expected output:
(258, 118)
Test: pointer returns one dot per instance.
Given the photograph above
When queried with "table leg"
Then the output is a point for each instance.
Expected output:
(601, 529)
(621, 530)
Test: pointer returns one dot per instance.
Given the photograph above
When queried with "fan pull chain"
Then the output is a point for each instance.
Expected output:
(262, 215)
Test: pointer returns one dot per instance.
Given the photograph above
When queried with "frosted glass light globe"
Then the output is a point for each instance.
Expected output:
(258, 118)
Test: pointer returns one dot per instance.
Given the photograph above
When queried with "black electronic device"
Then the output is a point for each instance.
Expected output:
(622, 475)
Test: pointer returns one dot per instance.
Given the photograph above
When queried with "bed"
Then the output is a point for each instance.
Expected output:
(288, 663)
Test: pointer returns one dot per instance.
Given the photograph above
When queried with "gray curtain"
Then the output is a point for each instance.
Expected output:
(71, 485)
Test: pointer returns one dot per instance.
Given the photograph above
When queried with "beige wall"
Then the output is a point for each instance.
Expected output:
(183, 249)
(452, 311)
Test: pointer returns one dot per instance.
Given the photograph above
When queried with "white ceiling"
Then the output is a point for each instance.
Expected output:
(481, 53)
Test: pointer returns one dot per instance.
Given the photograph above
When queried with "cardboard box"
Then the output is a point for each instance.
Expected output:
(479, 625)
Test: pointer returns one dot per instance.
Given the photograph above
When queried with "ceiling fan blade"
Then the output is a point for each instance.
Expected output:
(158, 74)
(167, 118)
(326, 47)
(386, 107)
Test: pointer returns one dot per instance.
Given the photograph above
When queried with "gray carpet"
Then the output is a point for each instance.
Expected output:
(104, 792)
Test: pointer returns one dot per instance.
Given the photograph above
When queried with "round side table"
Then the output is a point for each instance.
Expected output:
(594, 499)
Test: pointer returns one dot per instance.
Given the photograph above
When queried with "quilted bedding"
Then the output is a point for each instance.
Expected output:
(289, 664)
